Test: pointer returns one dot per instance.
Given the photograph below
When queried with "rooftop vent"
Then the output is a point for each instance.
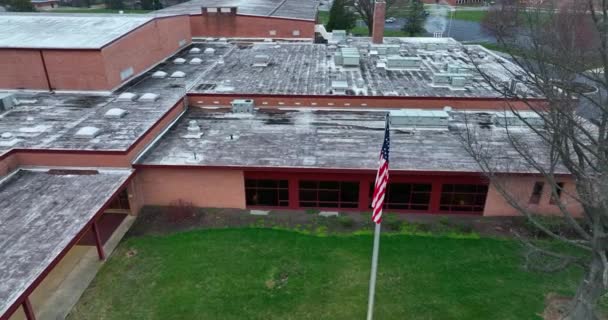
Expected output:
(242, 106)
(519, 119)
(348, 57)
(115, 113)
(87, 132)
(261, 60)
(196, 61)
(338, 35)
(195, 50)
(399, 62)
(127, 96)
(209, 51)
(179, 61)
(148, 97)
(194, 130)
(419, 118)
(339, 86)
(159, 75)
(7, 102)
(178, 74)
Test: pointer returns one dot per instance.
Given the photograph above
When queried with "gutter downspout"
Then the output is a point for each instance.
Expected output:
(46, 72)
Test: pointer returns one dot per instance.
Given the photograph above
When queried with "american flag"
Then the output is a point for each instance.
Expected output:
(381, 177)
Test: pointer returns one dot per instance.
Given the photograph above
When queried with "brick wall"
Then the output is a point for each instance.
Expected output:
(76, 69)
(227, 25)
(353, 101)
(145, 47)
(220, 188)
(21, 69)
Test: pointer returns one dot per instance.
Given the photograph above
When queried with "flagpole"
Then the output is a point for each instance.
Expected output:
(372, 279)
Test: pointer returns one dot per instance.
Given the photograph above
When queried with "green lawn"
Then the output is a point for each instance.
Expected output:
(469, 15)
(85, 10)
(273, 274)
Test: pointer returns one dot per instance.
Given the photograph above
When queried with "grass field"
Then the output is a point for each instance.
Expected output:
(468, 15)
(273, 274)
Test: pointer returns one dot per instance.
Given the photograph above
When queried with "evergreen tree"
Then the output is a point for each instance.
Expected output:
(115, 4)
(416, 17)
(340, 17)
(18, 5)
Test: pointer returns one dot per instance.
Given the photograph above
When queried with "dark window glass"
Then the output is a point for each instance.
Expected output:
(463, 197)
(267, 193)
(558, 190)
(120, 202)
(329, 194)
(405, 196)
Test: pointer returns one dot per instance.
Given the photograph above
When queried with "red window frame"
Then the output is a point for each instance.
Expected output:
(280, 190)
(315, 195)
(454, 198)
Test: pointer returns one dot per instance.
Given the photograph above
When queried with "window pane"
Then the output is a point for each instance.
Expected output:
(349, 192)
(308, 195)
(420, 198)
(328, 195)
(267, 184)
(268, 197)
(249, 183)
(283, 184)
(422, 187)
(308, 185)
(332, 185)
(283, 194)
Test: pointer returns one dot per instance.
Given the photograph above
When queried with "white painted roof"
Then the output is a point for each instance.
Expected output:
(65, 31)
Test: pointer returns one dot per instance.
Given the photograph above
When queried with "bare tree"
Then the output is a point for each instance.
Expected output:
(365, 9)
(561, 53)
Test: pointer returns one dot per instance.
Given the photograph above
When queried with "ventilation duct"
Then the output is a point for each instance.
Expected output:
(242, 105)
(419, 118)
(194, 130)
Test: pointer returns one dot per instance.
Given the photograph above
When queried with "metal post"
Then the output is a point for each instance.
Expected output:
(372, 279)
(98, 244)
(27, 309)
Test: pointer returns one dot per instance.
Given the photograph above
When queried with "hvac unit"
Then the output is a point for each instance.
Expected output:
(242, 106)
(419, 118)
(519, 119)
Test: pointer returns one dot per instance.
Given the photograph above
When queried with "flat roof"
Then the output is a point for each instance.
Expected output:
(307, 138)
(50, 120)
(309, 69)
(65, 31)
(294, 9)
(41, 212)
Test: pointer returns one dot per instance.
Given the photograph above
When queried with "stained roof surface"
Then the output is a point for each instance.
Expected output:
(40, 213)
(310, 69)
(50, 121)
(315, 138)
(65, 31)
(296, 9)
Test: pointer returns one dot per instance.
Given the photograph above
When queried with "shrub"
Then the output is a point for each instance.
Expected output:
(392, 222)
(312, 211)
(346, 221)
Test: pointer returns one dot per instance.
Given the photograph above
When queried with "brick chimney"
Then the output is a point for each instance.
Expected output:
(379, 18)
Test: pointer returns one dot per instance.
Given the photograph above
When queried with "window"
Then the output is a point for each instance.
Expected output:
(537, 192)
(329, 194)
(120, 202)
(272, 32)
(296, 32)
(558, 193)
(267, 193)
(405, 196)
(463, 197)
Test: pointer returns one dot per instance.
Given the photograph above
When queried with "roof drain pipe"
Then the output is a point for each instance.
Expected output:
(46, 72)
